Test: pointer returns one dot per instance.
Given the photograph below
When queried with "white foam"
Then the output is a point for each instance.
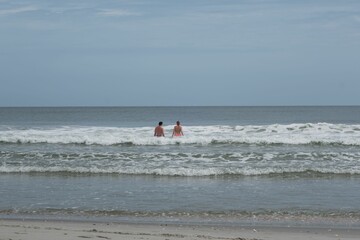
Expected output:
(184, 164)
(189, 172)
(320, 133)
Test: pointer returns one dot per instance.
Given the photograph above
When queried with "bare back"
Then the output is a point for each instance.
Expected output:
(177, 131)
(159, 132)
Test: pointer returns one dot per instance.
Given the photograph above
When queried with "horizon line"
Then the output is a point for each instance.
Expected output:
(165, 106)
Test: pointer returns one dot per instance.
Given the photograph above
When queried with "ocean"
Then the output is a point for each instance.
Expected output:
(234, 165)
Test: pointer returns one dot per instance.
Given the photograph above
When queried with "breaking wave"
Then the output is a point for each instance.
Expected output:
(292, 134)
(183, 164)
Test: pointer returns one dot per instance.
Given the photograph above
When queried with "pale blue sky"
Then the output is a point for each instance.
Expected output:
(167, 52)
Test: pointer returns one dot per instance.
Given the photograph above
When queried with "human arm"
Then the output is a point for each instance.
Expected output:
(173, 133)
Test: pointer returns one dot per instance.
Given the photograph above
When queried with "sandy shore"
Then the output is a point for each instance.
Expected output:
(56, 230)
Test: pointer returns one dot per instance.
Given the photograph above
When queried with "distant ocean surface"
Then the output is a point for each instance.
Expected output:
(233, 164)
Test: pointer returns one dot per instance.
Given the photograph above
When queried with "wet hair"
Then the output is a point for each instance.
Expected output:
(160, 123)
(178, 122)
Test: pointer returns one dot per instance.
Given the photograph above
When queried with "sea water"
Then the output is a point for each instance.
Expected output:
(233, 164)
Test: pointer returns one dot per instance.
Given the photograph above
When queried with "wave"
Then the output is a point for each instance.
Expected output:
(292, 134)
(226, 158)
(310, 215)
(188, 164)
(181, 172)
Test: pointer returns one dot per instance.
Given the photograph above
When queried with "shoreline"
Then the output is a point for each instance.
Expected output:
(60, 229)
(302, 221)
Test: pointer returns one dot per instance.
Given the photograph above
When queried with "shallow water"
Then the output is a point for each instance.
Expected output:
(232, 163)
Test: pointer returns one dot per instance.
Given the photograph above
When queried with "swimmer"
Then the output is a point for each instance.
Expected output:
(177, 132)
(159, 130)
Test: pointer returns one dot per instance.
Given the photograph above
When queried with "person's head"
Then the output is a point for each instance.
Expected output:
(160, 123)
(178, 123)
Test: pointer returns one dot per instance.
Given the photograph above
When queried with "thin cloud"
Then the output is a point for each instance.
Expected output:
(18, 10)
(117, 13)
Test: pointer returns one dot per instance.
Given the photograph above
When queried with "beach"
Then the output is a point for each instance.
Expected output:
(59, 230)
(237, 173)
(179, 120)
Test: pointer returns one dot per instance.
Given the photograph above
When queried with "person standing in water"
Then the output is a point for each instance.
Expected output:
(159, 130)
(177, 132)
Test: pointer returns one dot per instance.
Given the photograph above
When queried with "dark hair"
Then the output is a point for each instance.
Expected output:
(178, 122)
(160, 123)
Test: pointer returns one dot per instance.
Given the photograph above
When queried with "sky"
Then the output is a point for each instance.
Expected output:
(179, 53)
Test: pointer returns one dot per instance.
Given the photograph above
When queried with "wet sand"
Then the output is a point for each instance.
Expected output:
(59, 230)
